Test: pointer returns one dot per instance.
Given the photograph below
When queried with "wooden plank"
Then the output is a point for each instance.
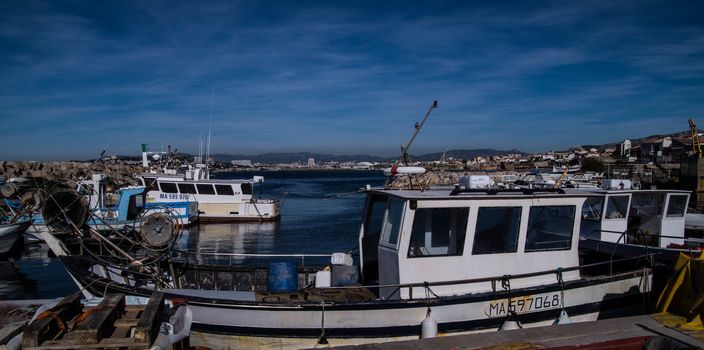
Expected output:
(116, 345)
(121, 332)
(134, 309)
(148, 326)
(100, 319)
(48, 327)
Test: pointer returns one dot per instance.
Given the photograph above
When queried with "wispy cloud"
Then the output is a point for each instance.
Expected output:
(346, 78)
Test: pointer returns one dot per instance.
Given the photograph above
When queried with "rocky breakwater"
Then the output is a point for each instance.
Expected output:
(449, 178)
(119, 174)
(431, 178)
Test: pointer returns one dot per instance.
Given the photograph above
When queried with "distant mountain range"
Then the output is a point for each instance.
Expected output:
(302, 157)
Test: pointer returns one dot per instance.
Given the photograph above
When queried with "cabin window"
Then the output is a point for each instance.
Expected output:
(617, 207)
(168, 187)
(394, 214)
(438, 232)
(497, 230)
(205, 189)
(225, 190)
(246, 188)
(86, 189)
(187, 188)
(550, 228)
(677, 206)
(375, 216)
(150, 183)
(592, 208)
(647, 204)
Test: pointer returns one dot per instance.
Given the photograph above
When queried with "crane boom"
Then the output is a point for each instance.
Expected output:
(404, 148)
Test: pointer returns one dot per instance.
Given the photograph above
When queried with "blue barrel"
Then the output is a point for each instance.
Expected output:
(283, 277)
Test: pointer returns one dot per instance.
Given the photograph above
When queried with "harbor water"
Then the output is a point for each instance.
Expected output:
(321, 212)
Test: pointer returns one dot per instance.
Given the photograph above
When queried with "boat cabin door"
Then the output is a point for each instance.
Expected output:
(673, 220)
(614, 221)
(369, 237)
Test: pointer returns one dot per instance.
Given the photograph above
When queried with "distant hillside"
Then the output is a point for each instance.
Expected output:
(302, 157)
(651, 138)
(465, 154)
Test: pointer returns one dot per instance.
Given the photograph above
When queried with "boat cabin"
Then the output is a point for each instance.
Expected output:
(442, 235)
(177, 188)
(125, 204)
(652, 217)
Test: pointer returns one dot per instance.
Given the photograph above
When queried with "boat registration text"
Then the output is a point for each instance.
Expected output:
(523, 304)
(180, 196)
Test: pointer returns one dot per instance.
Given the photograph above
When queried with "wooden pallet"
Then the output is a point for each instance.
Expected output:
(110, 325)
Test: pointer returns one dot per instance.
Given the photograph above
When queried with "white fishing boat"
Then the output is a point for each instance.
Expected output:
(629, 222)
(219, 200)
(559, 169)
(465, 261)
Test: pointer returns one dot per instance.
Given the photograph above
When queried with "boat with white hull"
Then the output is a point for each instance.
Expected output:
(628, 222)
(219, 200)
(465, 260)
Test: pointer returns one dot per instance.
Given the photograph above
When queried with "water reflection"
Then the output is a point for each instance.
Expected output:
(35, 276)
(203, 241)
(13, 283)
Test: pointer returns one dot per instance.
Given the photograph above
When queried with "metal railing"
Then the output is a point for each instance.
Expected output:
(493, 279)
(302, 257)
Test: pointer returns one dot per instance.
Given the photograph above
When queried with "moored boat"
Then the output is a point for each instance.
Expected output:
(625, 222)
(474, 260)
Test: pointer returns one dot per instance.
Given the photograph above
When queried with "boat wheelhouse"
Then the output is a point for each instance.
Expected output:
(218, 200)
(631, 222)
(125, 205)
(470, 260)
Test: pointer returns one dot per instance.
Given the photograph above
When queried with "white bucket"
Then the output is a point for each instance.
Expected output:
(322, 279)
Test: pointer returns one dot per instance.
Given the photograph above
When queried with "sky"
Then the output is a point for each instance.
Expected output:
(77, 77)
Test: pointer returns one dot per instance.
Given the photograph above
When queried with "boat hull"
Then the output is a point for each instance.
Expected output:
(261, 324)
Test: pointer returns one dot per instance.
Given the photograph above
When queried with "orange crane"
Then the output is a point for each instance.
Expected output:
(696, 146)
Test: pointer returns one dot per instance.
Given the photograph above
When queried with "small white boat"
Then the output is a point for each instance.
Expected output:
(219, 200)
(559, 169)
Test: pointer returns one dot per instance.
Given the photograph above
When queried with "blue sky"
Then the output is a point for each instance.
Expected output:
(343, 77)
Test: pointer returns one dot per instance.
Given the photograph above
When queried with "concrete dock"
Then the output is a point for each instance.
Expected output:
(575, 335)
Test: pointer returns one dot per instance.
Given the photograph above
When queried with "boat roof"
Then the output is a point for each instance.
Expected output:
(179, 178)
(601, 191)
(451, 193)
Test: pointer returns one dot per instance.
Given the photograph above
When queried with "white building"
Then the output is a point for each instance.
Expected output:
(625, 147)
(311, 162)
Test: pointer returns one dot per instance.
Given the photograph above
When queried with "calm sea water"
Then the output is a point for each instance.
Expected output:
(321, 213)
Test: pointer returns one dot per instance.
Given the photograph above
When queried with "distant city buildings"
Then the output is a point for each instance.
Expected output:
(244, 163)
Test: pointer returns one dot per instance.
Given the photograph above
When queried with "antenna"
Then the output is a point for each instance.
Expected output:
(200, 147)
(210, 128)
(448, 146)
